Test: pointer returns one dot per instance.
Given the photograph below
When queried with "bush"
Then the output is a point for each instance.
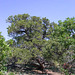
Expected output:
(11, 73)
(1, 73)
(4, 48)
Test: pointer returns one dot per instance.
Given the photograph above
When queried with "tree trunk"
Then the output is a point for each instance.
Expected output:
(40, 65)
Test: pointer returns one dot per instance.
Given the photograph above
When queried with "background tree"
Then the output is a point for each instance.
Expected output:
(65, 32)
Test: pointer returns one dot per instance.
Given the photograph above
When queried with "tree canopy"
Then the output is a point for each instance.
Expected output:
(34, 36)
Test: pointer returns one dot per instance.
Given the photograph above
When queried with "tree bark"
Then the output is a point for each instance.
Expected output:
(41, 65)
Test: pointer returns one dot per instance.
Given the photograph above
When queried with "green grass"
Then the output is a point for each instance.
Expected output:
(11, 73)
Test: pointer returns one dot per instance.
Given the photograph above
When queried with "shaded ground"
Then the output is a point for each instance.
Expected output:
(48, 72)
(30, 70)
(38, 72)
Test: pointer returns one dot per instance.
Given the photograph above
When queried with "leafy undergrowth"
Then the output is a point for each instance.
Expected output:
(30, 70)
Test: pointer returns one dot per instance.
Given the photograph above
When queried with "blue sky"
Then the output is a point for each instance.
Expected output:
(54, 10)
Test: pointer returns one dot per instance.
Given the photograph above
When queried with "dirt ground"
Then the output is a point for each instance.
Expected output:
(38, 72)
(47, 72)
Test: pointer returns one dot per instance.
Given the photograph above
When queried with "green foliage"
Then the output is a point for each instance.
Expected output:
(64, 71)
(28, 28)
(4, 48)
(53, 51)
(22, 55)
(65, 32)
(34, 36)
(29, 33)
(10, 42)
(1, 73)
(11, 73)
